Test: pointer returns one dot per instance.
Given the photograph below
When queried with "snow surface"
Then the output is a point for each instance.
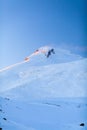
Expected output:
(48, 114)
(45, 94)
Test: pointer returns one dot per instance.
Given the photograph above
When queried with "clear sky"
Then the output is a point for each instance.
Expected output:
(26, 25)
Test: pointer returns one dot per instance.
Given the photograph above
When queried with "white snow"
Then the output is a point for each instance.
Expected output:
(57, 80)
(45, 94)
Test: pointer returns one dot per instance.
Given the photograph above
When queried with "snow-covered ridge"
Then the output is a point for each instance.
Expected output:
(60, 56)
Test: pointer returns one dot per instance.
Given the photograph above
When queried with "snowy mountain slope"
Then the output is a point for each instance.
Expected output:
(45, 94)
(57, 80)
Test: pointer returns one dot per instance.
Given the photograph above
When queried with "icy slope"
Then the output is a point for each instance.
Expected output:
(56, 80)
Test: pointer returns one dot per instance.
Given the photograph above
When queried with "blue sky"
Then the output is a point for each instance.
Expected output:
(26, 25)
